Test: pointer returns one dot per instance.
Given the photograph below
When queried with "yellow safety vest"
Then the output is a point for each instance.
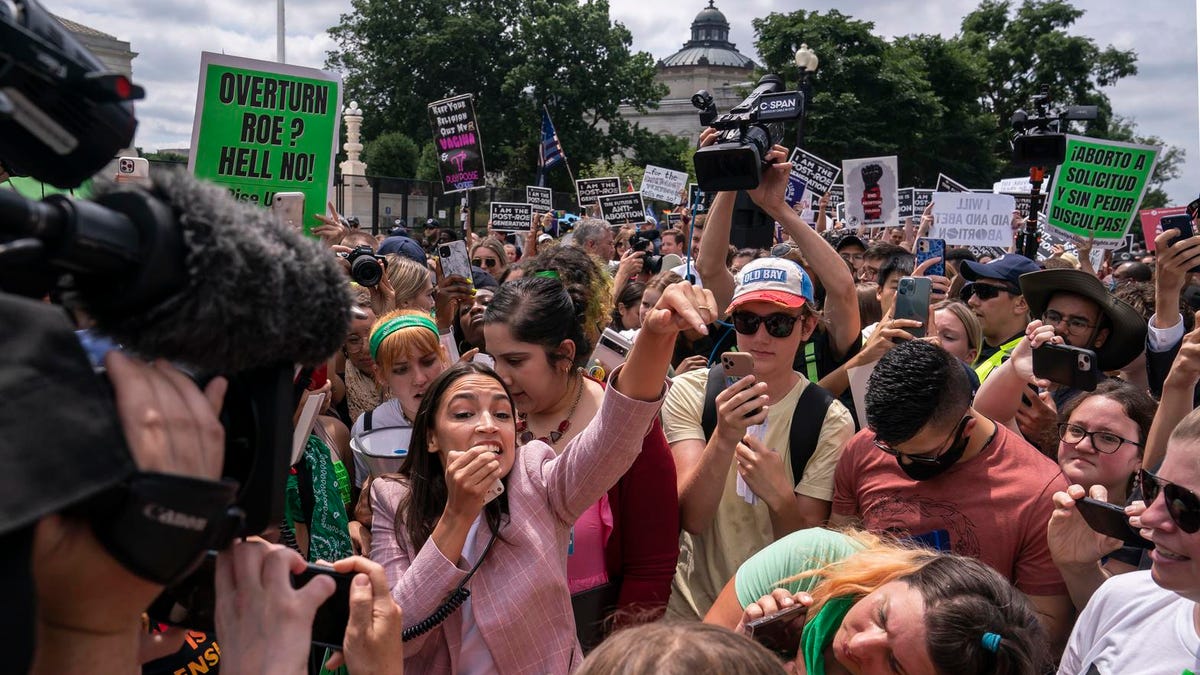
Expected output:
(984, 369)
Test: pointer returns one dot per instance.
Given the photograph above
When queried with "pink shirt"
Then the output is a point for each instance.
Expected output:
(585, 553)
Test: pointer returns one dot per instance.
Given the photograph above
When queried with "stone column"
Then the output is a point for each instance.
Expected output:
(354, 170)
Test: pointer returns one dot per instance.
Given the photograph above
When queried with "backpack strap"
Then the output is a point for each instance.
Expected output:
(715, 385)
(807, 420)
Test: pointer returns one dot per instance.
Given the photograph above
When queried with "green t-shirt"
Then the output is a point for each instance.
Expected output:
(800, 551)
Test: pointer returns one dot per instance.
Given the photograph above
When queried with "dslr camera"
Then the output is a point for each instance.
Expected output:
(641, 241)
(366, 268)
(747, 133)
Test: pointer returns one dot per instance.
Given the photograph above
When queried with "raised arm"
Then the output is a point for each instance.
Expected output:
(1176, 400)
(841, 299)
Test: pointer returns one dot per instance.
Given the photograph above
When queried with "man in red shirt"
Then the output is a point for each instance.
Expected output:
(931, 468)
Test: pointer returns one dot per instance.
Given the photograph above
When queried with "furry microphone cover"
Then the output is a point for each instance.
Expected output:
(257, 292)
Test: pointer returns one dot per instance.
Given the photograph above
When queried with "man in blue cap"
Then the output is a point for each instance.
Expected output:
(994, 294)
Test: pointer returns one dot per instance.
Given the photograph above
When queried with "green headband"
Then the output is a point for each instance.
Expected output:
(547, 274)
(392, 325)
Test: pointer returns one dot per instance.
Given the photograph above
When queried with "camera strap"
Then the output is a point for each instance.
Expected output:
(159, 526)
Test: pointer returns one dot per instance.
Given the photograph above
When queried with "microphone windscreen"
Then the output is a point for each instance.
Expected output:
(257, 292)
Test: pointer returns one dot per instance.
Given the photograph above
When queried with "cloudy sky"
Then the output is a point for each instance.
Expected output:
(169, 35)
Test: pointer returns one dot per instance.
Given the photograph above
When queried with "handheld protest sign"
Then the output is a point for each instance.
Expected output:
(815, 175)
(921, 200)
(540, 198)
(262, 128)
(699, 201)
(871, 185)
(459, 146)
(1098, 188)
(511, 217)
(972, 219)
(905, 198)
(663, 184)
(590, 189)
(948, 184)
(621, 208)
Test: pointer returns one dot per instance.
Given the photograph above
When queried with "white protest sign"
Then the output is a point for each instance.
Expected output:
(871, 186)
(663, 184)
(1018, 186)
(972, 219)
(511, 217)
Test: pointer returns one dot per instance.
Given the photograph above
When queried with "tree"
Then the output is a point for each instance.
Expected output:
(1031, 48)
(391, 154)
(514, 56)
(1169, 159)
(916, 98)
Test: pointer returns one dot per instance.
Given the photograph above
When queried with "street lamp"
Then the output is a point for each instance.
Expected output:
(807, 62)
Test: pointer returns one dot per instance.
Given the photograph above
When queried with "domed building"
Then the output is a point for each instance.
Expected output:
(707, 61)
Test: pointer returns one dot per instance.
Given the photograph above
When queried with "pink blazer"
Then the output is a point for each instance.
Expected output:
(520, 598)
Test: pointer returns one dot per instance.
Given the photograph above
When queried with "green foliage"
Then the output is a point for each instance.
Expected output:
(1167, 169)
(514, 56)
(391, 154)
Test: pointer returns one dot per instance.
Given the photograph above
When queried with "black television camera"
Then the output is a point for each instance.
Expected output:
(366, 268)
(643, 241)
(1039, 140)
(747, 133)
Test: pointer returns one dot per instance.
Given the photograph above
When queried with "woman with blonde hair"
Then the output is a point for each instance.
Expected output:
(958, 329)
(490, 256)
(881, 606)
(412, 282)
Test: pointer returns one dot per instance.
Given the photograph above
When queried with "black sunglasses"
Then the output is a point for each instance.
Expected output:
(778, 325)
(484, 262)
(1182, 504)
(986, 291)
(926, 459)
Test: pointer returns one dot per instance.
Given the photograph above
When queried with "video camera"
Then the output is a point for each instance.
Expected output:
(1039, 140)
(747, 133)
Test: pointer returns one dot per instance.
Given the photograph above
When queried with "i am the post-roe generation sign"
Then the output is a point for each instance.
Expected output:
(262, 128)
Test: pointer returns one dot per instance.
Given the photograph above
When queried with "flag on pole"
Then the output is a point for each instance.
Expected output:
(551, 150)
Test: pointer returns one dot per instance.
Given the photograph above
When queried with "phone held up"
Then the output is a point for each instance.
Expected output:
(454, 259)
(780, 632)
(1183, 223)
(1074, 367)
(928, 248)
(1111, 520)
(736, 366)
(912, 302)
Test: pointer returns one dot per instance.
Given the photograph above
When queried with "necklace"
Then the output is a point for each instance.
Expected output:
(526, 435)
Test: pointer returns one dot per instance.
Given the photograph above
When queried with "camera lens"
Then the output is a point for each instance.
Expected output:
(366, 271)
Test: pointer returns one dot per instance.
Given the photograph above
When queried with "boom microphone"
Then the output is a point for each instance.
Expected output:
(186, 273)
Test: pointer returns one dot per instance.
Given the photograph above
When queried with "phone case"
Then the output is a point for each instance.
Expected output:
(737, 364)
(912, 302)
(1074, 367)
(289, 208)
(927, 248)
(496, 490)
(454, 259)
(781, 631)
(1111, 520)
(1184, 224)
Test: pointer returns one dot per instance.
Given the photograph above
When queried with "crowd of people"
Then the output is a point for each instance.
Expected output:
(502, 503)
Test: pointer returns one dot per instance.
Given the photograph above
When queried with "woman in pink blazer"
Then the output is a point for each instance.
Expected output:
(437, 519)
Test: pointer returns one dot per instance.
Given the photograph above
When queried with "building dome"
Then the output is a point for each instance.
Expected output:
(710, 44)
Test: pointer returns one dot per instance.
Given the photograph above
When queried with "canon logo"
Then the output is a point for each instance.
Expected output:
(165, 516)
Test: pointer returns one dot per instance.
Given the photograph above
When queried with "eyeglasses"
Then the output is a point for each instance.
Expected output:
(485, 262)
(778, 325)
(1075, 325)
(1182, 504)
(925, 459)
(1102, 441)
(986, 291)
(852, 257)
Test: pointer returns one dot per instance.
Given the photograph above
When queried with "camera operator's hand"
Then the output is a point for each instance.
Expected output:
(631, 264)
(773, 186)
(265, 625)
(373, 644)
(708, 137)
(170, 426)
(383, 295)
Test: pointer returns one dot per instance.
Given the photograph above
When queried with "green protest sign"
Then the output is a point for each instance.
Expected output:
(1099, 187)
(262, 128)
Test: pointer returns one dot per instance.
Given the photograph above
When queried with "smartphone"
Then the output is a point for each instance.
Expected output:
(1183, 223)
(191, 603)
(1111, 520)
(928, 247)
(737, 364)
(288, 207)
(134, 170)
(912, 302)
(454, 259)
(780, 632)
(1074, 367)
(611, 351)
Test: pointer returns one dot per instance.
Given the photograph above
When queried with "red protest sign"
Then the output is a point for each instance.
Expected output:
(1152, 222)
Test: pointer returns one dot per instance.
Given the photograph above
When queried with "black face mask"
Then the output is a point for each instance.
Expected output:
(926, 471)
